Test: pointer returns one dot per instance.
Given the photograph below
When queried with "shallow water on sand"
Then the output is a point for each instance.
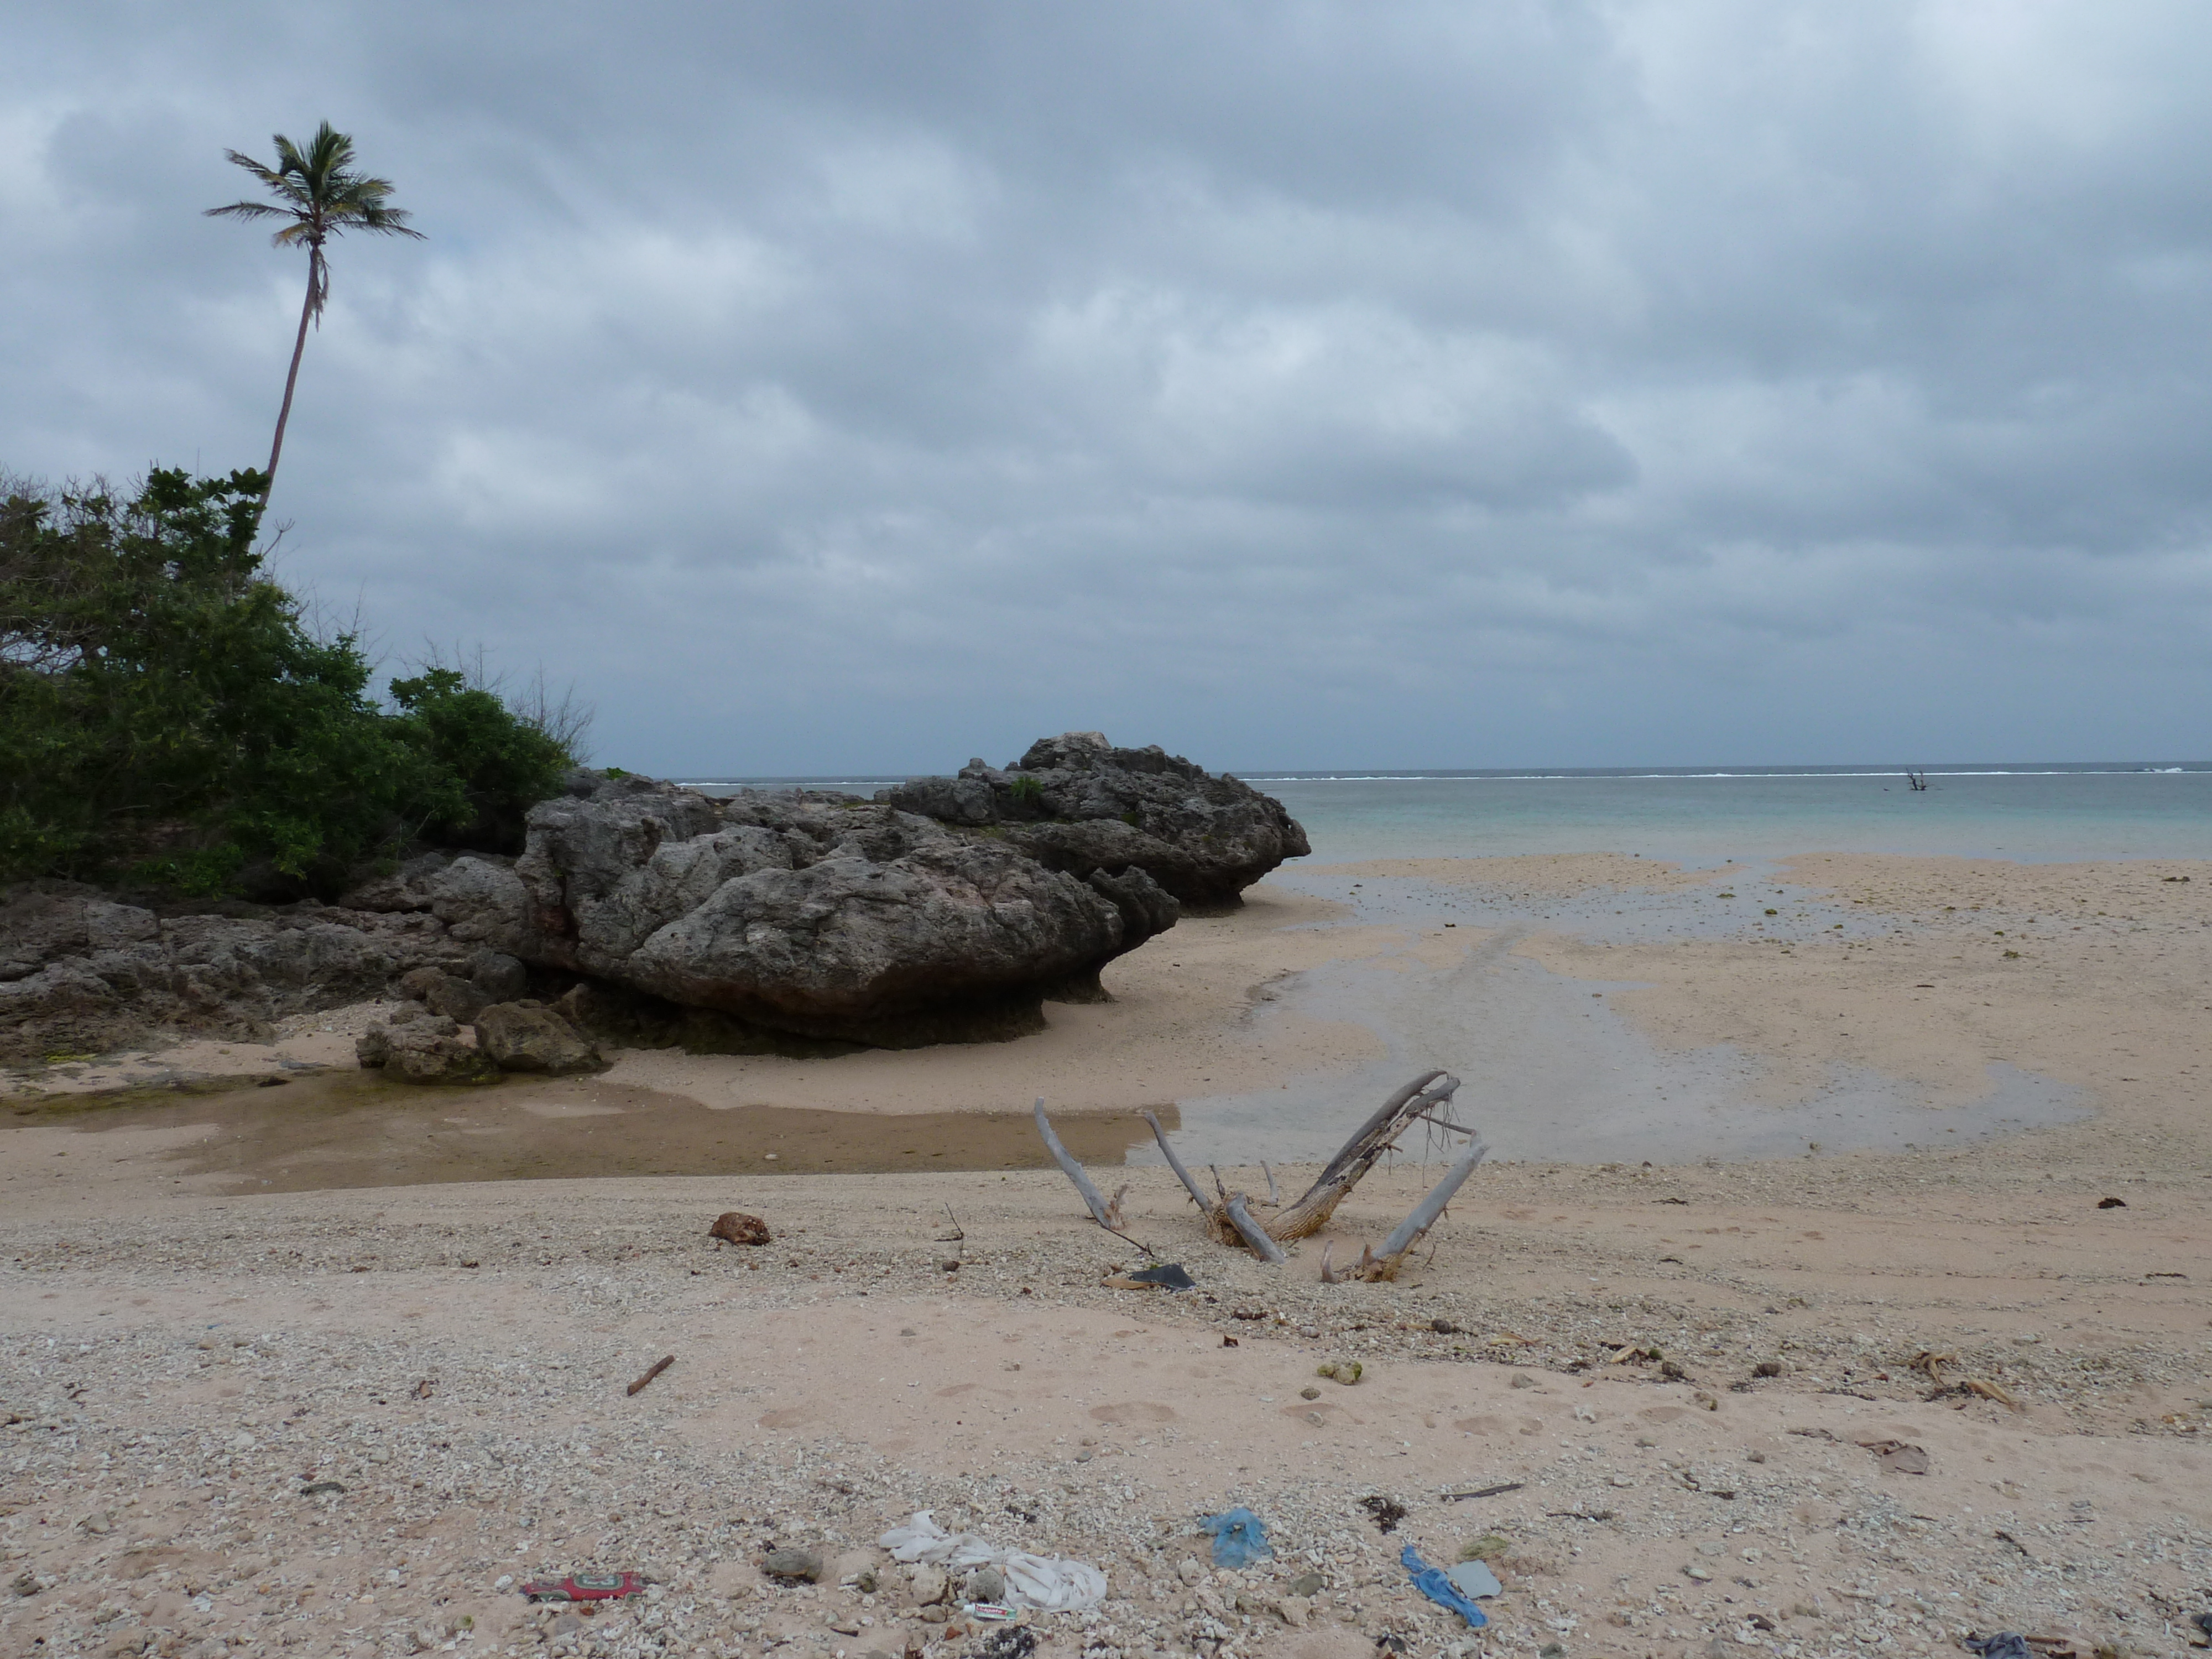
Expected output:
(334, 1129)
(1550, 1072)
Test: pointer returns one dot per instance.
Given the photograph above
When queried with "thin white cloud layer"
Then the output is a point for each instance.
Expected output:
(846, 386)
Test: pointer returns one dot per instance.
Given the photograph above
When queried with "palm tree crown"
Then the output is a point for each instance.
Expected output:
(319, 196)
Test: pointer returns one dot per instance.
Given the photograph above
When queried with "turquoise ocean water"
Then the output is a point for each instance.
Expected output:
(2033, 812)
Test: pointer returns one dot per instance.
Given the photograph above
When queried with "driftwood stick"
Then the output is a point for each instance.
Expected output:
(1139, 1243)
(1430, 1117)
(1423, 1216)
(1072, 1169)
(1254, 1234)
(1189, 1181)
(1388, 1113)
(652, 1371)
(1221, 1191)
(1274, 1193)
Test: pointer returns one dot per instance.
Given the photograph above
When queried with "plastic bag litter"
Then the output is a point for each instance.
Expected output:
(1048, 1583)
(2005, 1644)
(1432, 1583)
(1240, 1538)
(585, 1586)
(1169, 1275)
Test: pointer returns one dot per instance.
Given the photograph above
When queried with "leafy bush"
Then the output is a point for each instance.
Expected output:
(165, 711)
(490, 765)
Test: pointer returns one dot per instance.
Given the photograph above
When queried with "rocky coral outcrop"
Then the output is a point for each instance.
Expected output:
(81, 973)
(816, 913)
(1076, 803)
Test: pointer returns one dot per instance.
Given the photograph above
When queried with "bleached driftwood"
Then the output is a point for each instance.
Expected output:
(1384, 1263)
(1214, 1210)
(1190, 1182)
(1251, 1231)
(1228, 1215)
(1107, 1215)
(1418, 1099)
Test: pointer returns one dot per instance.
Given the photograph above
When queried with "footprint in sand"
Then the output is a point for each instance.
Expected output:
(1500, 1425)
(1133, 1410)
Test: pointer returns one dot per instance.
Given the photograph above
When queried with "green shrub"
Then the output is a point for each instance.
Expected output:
(488, 766)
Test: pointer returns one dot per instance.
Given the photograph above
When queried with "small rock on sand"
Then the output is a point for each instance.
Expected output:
(528, 1037)
(736, 1227)
(787, 1561)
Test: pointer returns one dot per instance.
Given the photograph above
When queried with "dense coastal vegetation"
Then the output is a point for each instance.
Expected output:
(169, 716)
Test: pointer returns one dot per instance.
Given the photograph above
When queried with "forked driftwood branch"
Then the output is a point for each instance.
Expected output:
(1425, 1095)
(1228, 1216)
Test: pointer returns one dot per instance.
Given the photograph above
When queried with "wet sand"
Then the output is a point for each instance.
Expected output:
(332, 1130)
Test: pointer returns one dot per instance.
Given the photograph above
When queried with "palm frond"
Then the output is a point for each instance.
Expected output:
(329, 151)
(290, 162)
(371, 215)
(245, 210)
(272, 176)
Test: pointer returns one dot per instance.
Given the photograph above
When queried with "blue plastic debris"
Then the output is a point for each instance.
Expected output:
(1437, 1585)
(1240, 1538)
(2005, 1644)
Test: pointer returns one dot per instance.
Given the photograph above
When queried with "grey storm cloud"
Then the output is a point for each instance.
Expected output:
(833, 387)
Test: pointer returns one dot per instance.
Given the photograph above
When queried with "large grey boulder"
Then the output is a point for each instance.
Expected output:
(819, 915)
(1076, 803)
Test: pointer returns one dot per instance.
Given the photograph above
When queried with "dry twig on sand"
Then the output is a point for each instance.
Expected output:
(653, 1370)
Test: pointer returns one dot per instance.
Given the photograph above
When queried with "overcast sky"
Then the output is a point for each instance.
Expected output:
(832, 387)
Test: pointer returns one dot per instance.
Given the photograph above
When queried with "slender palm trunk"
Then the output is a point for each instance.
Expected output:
(284, 414)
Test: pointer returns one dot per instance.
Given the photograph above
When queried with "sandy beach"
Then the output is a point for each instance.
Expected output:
(1789, 1160)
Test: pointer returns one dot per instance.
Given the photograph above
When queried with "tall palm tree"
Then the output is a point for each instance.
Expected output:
(320, 195)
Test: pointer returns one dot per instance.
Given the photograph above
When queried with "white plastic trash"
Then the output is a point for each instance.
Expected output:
(1473, 1579)
(1049, 1584)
